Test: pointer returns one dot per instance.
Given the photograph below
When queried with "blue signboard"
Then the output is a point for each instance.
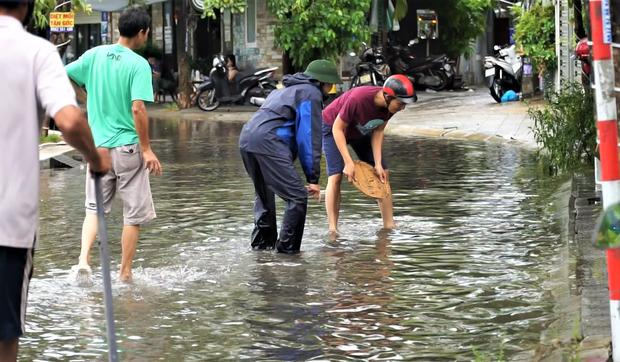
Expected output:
(607, 35)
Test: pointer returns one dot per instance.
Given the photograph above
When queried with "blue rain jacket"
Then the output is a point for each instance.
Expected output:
(288, 125)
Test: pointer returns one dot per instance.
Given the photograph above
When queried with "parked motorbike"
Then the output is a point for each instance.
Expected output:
(434, 72)
(582, 53)
(372, 68)
(503, 72)
(217, 90)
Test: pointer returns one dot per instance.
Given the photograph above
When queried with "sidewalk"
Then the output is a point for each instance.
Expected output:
(472, 115)
(226, 113)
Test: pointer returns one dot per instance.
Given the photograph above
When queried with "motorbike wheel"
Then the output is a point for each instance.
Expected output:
(496, 91)
(206, 100)
(443, 83)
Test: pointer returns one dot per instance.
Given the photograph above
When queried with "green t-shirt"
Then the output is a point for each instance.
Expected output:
(114, 76)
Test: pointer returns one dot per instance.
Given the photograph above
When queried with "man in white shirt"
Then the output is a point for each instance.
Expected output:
(33, 80)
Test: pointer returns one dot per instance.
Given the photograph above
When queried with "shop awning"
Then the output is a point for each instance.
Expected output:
(115, 5)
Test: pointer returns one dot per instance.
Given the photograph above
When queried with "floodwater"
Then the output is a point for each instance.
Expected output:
(464, 274)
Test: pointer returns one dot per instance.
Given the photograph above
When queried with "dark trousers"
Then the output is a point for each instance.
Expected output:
(276, 175)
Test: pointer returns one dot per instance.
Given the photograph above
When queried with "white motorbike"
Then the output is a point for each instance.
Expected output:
(503, 72)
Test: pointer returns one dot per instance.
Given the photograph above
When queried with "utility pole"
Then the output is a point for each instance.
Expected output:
(606, 115)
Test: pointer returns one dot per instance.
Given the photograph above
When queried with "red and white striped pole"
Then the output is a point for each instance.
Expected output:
(606, 123)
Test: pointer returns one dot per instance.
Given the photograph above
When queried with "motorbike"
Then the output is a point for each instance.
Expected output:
(434, 72)
(372, 68)
(503, 71)
(582, 53)
(247, 86)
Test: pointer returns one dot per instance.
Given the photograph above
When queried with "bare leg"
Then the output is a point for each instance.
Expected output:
(8, 351)
(332, 201)
(89, 233)
(130, 243)
(387, 209)
(387, 212)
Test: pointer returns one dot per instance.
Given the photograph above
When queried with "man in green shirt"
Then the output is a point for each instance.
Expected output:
(118, 82)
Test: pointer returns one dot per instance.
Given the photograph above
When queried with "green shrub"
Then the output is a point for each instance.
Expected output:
(52, 138)
(565, 128)
(535, 35)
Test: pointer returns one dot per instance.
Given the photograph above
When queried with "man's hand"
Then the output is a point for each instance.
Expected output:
(151, 162)
(314, 190)
(102, 164)
(349, 171)
(381, 173)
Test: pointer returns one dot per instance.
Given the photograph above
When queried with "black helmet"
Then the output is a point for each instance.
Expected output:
(30, 8)
(400, 87)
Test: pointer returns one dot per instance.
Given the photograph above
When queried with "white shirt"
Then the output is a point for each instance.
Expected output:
(32, 79)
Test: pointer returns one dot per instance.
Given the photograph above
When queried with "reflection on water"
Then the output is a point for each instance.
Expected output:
(463, 272)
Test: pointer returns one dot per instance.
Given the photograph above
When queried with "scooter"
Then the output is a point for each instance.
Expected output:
(372, 68)
(216, 89)
(503, 72)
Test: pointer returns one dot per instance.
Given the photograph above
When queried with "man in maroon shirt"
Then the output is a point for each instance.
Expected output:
(358, 118)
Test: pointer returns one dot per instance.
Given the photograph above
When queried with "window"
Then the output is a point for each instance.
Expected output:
(250, 24)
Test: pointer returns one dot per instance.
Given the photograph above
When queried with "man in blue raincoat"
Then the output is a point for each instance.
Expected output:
(286, 127)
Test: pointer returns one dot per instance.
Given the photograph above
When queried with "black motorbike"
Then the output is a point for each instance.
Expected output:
(372, 68)
(435, 72)
(216, 89)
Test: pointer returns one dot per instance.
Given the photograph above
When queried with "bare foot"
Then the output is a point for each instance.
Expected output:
(125, 277)
(82, 275)
(332, 235)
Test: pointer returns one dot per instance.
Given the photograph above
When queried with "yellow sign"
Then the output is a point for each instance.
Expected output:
(61, 22)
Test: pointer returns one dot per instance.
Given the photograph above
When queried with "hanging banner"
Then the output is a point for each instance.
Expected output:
(62, 22)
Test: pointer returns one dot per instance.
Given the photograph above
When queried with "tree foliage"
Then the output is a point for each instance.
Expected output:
(460, 22)
(308, 30)
(235, 6)
(400, 9)
(42, 9)
(535, 35)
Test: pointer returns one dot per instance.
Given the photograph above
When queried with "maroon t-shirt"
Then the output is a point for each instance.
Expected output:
(357, 109)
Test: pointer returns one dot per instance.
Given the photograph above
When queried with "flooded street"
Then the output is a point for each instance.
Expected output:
(463, 274)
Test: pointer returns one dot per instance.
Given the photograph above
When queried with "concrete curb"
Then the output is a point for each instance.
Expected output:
(453, 134)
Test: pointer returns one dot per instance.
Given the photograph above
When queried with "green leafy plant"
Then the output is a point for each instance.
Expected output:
(565, 128)
(460, 22)
(235, 6)
(308, 30)
(400, 9)
(535, 35)
(42, 9)
(52, 138)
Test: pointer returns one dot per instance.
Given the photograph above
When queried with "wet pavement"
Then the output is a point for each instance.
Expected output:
(464, 276)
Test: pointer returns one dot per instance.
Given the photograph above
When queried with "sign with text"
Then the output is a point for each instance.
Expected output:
(61, 22)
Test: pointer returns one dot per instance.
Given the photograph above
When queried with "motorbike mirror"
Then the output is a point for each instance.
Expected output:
(414, 41)
(365, 45)
(497, 47)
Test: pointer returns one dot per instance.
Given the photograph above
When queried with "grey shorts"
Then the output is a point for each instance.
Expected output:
(130, 179)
